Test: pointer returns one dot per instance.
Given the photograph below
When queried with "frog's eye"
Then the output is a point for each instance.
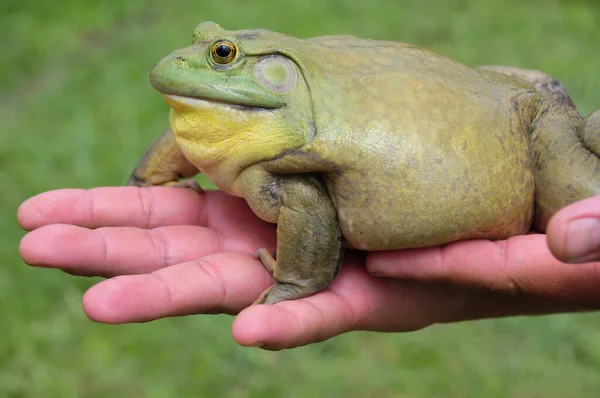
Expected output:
(223, 52)
(276, 73)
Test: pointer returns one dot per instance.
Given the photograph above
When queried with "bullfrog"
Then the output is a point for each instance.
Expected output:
(346, 142)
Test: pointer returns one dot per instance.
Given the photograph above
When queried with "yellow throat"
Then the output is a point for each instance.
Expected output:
(221, 139)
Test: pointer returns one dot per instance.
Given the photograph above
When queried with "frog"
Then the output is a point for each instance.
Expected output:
(348, 143)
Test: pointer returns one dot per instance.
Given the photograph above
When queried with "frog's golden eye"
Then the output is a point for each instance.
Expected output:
(223, 52)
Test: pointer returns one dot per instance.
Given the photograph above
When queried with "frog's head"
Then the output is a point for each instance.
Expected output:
(237, 98)
(237, 68)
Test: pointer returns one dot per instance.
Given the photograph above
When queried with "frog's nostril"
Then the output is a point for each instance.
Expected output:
(180, 60)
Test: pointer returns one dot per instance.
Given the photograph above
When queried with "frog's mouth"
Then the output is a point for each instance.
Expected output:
(184, 103)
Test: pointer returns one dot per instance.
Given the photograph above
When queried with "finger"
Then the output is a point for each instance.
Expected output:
(146, 208)
(224, 282)
(574, 232)
(117, 251)
(356, 301)
(116, 206)
(521, 265)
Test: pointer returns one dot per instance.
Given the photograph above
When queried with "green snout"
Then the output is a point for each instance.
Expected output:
(188, 73)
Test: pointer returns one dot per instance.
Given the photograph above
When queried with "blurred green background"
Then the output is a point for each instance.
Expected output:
(77, 110)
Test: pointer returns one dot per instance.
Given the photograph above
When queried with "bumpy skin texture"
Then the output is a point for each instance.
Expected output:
(389, 145)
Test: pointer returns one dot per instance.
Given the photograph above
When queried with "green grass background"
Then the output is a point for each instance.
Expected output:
(76, 110)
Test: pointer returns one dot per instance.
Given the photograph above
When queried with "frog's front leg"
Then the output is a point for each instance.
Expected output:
(164, 164)
(309, 240)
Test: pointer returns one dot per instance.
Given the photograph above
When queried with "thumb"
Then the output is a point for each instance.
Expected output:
(573, 233)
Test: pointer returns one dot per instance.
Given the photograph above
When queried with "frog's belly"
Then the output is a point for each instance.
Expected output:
(395, 209)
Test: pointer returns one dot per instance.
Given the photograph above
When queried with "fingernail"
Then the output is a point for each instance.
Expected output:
(583, 240)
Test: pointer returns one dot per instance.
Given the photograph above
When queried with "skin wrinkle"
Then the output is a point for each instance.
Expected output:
(170, 295)
(512, 287)
(213, 271)
(353, 320)
(166, 247)
(503, 282)
(357, 311)
(146, 198)
(503, 252)
(103, 249)
(222, 241)
(440, 251)
(323, 335)
(91, 206)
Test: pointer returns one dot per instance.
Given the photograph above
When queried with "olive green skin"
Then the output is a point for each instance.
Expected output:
(389, 145)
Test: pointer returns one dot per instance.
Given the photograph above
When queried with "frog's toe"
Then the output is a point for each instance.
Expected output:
(267, 258)
(284, 291)
(189, 184)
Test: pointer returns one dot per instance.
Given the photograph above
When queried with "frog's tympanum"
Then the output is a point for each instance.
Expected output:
(373, 145)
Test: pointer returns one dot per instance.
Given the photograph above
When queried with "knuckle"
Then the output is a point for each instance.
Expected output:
(147, 202)
(161, 245)
(209, 268)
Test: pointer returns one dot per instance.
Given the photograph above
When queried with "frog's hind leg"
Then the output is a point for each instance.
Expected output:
(309, 240)
(552, 88)
(565, 145)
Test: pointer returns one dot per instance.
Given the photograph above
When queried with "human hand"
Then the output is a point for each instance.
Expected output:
(173, 252)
